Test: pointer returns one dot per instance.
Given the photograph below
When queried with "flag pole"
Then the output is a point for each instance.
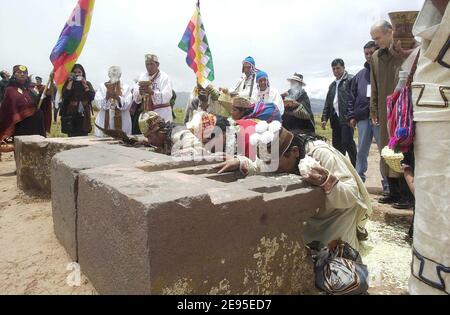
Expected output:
(198, 6)
(47, 87)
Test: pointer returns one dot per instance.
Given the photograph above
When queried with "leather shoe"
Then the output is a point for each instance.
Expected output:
(403, 205)
(388, 200)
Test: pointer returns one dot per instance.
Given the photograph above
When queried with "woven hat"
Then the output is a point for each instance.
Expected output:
(152, 57)
(242, 102)
(249, 60)
(261, 74)
(150, 122)
(298, 78)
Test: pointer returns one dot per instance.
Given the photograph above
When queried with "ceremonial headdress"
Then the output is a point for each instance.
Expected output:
(20, 68)
(152, 57)
(150, 122)
(261, 74)
(249, 60)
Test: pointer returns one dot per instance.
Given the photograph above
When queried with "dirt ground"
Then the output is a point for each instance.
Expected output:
(33, 262)
(31, 259)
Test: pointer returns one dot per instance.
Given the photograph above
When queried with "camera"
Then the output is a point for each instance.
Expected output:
(73, 77)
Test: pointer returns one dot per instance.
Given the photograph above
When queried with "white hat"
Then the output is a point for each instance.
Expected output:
(298, 78)
(152, 57)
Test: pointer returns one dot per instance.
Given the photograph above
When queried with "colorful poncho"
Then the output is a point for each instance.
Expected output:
(268, 112)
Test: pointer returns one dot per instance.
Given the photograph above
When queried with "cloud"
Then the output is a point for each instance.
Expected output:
(284, 36)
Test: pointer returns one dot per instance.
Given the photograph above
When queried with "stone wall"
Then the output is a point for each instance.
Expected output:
(142, 223)
(33, 156)
(67, 165)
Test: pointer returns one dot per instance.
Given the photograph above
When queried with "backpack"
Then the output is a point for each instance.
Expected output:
(401, 123)
(339, 270)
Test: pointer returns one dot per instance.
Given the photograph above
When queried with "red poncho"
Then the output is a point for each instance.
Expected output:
(17, 105)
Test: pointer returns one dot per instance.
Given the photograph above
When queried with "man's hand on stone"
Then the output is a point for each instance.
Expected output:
(228, 166)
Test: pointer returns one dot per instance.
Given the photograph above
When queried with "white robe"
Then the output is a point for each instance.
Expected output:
(243, 88)
(163, 93)
(430, 92)
(187, 146)
(271, 95)
(104, 105)
(347, 207)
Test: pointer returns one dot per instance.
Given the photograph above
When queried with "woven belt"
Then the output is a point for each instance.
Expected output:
(440, 270)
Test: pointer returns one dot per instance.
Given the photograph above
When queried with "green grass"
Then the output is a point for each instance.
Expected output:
(324, 133)
(56, 126)
(180, 115)
(55, 131)
(328, 133)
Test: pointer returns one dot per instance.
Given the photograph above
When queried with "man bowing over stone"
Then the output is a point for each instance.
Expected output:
(113, 99)
(348, 205)
(154, 89)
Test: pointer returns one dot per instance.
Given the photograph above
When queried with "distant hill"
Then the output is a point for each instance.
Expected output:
(317, 105)
(183, 97)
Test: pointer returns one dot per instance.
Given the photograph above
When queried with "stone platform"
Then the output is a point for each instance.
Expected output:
(33, 156)
(142, 223)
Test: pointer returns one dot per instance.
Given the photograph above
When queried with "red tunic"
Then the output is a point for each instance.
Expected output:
(17, 105)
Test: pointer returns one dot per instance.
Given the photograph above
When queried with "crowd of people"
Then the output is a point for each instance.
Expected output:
(258, 125)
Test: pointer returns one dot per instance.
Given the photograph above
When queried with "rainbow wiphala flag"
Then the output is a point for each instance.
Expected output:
(195, 44)
(71, 41)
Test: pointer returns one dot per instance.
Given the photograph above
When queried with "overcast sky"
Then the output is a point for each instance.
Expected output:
(284, 36)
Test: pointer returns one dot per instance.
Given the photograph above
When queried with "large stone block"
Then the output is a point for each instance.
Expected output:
(191, 231)
(33, 160)
(65, 168)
